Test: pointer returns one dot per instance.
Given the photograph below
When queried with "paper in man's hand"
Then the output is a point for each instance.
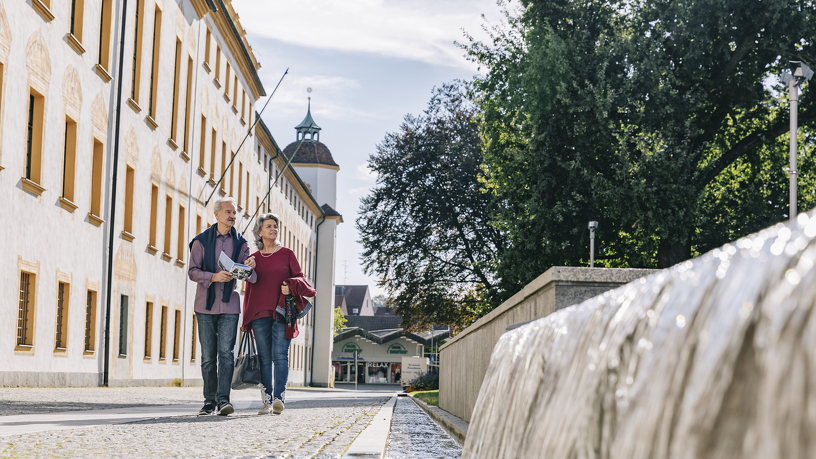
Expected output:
(237, 270)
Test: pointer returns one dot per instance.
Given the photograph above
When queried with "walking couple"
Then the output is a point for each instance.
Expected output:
(275, 298)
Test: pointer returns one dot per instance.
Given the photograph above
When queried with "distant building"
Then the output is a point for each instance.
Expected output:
(380, 344)
(357, 299)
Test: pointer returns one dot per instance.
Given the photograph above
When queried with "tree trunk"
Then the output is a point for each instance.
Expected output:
(670, 253)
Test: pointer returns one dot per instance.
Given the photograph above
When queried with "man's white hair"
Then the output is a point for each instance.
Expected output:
(220, 202)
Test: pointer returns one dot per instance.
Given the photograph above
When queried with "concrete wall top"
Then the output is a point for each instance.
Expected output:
(562, 275)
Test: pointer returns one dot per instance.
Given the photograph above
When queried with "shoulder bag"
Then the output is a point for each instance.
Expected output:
(247, 372)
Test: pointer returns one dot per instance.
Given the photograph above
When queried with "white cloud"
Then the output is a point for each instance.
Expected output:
(420, 30)
(328, 90)
(364, 173)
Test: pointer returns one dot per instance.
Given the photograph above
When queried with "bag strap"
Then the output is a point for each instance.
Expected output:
(251, 346)
(241, 346)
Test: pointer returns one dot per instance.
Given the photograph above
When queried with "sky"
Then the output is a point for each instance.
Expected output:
(369, 63)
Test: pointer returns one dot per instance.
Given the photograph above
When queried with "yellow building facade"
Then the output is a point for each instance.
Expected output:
(82, 165)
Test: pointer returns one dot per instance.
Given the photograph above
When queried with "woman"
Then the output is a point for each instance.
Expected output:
(266, 312)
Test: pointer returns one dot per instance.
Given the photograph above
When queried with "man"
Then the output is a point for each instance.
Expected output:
(217, 304)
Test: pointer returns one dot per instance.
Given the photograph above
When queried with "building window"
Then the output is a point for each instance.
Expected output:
(90, 321)
(154, 65)
(163, 334)
(63, 298)
(129, 181)
(175, 102)
(25, 311)
(199, 229)
(227, 81)
(223, 165)
(235, 91)
(217, 64)
(202, 148)
(148, 338)
(193, 344)
(136, 79)
(213, 144)
(168, 225)
(182, 216)
(105, 35)
(96, 179)
(123, 325)
(176, 334)
(188, 100)
(229, 177)
(243, 104)
(246, 184)
(207, 41)
(34, 147)
(154, 216)
(240, 183)
(77, 13)
(69, 160)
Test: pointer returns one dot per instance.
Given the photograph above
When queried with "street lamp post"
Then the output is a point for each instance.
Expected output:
(800, 73)
(593, 225)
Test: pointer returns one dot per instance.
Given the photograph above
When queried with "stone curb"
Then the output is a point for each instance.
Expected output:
(455, 427)
(372, 442)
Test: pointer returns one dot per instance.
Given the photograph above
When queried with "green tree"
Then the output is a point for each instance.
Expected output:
(638, 115)
(339, 321)
(425, 225)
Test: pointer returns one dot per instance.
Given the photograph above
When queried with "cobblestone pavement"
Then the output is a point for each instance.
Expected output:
(315, 424)
(35, 400)
(414, 435)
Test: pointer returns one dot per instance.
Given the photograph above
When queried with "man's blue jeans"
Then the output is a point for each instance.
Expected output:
(216, 333)
(273, 351)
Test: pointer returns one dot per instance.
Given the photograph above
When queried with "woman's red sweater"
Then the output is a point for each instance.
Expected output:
(262, 296)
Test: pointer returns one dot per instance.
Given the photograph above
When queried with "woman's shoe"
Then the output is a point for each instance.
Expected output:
(277, 406)
(267, 407)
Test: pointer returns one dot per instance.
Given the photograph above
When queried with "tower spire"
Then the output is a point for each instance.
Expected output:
(308, 130)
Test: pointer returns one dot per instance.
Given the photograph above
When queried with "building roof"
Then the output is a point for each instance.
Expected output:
(373, 323)
(308, 123)
(340, 302)
(385, 311)
(329, 212)
(310, 152)
(384, 336)
(355, 294)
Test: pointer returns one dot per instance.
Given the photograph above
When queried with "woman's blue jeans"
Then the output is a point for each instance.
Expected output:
(273, 352)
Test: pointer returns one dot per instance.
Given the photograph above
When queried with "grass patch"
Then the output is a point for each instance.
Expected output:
(431, 397)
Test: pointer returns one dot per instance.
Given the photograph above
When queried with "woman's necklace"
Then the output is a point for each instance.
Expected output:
(270, 253)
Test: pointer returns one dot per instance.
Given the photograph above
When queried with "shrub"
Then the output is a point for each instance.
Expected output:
(426, 381)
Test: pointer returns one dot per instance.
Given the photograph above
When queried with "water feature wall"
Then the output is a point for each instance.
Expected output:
(712, 358)
(465, 358)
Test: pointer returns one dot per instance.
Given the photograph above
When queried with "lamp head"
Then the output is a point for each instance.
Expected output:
(801, 71)
(593, 225)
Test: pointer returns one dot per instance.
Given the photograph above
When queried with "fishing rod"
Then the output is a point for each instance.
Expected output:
(249, 131)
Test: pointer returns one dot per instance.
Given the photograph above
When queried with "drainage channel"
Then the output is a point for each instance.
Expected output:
(414, 435)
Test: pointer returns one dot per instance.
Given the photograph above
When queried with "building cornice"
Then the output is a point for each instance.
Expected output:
(318, 165)
(225, 19)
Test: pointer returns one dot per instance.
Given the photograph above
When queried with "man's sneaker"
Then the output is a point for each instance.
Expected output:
(267, 407)
(224, 409)
(277, 406)
(207, 409)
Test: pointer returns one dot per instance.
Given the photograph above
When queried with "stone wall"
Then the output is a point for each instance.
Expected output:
(465, 358)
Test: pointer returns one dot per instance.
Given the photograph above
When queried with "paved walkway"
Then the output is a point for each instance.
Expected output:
(145, 422)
